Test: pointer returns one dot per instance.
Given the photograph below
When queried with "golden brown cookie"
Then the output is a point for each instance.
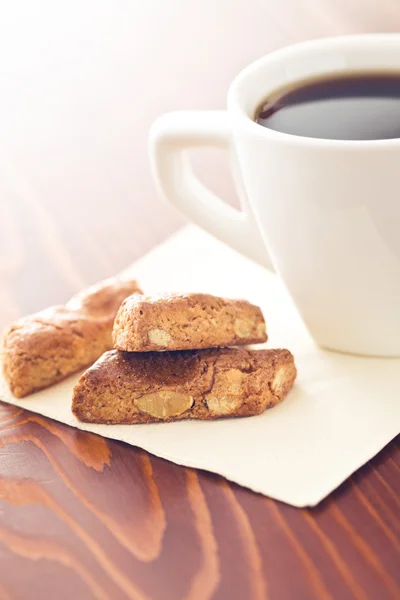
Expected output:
(125, 387)
(41, 349)
(186, 322)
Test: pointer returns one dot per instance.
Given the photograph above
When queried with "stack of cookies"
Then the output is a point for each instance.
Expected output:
(173, 359)
(158, 358)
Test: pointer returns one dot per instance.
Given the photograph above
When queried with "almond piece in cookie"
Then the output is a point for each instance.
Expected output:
(186, 322)
(136, 387)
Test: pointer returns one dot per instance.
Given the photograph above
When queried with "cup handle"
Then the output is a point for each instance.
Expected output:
(171, 136)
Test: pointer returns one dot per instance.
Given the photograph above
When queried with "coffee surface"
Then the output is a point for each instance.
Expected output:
(359, 106)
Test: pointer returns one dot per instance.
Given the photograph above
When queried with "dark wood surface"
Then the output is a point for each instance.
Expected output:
(82, 517)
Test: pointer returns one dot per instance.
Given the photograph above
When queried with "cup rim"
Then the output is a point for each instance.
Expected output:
(235, 105)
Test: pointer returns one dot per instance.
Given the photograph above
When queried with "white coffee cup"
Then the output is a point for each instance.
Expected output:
(324, 213)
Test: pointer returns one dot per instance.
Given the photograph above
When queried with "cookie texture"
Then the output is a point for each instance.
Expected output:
(125, 387)
(42, 349)
(186, 322)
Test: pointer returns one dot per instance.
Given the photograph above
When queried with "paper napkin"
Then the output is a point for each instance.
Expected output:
(342, 411)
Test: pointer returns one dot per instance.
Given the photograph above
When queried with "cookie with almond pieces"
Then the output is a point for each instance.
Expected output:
(131, 388)
(186, 322)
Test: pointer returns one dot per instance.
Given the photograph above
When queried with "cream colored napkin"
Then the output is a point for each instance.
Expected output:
(342, 411)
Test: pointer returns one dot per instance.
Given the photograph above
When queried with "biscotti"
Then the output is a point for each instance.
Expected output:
(186, 322)
(42, 349)
(123, 387)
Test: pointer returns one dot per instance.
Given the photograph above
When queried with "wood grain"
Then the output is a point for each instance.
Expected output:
(80, 516)
(62, 502)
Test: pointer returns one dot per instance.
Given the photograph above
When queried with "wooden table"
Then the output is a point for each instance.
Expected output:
(82, 517)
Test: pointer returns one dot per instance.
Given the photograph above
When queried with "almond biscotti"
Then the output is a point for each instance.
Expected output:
(186, 322)
(123, 387)
(41, 349)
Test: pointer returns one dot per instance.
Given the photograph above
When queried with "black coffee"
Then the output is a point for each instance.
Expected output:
(364, 106)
